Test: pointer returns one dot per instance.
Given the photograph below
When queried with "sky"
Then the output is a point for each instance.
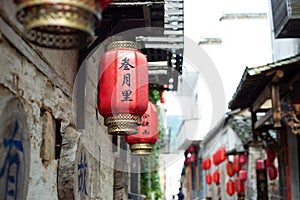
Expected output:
(244, 44)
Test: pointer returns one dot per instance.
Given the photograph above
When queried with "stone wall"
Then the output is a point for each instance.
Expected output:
(41, 149)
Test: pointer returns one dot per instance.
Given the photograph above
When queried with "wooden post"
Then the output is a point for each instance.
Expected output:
(276, 106)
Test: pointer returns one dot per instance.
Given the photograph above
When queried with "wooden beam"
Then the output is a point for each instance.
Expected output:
(147, 15)
(263, 120)
(264, 95)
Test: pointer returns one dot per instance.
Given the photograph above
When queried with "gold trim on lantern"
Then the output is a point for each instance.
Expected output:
(123, 124)
(141, 148)
(123, 44)
(58, 23)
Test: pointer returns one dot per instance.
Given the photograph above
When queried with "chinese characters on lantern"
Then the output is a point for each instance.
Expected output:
(126, 81)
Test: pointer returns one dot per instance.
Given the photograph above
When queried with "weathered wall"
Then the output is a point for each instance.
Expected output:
(57, 161)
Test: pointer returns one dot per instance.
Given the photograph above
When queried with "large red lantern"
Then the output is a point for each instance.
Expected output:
(239, 186)
(216, 177)
(123, 87)
(208, 179)
(230, 169)
(142, 143)
(59, 24)
(230, 187)
(236, 163)
(272, 172)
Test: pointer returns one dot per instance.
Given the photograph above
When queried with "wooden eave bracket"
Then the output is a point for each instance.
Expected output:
(270, 92)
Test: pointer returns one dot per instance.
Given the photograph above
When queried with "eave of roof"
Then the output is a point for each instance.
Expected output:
(255, 79)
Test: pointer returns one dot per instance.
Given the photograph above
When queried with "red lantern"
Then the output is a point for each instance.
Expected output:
(236, 163)
(208, 179)
(104, 3)
(230, 187)
(269, 163)
(123, 88)
(271, 155)
(243, 175)
(59, 24)
(272, 172)
(142, 143)
(239, 186)
(242, 159)
(260, 164)
(222, 155)
(216, 177)
(206, 164)
(230, 169)
(215, 159)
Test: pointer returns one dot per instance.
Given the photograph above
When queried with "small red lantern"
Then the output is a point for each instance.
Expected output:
(230, 169)
(230, 187)
(242, 159)
(206, 164)
(215, 159)
(208, 179)
(269, 163)
(236, 163)
(272, 172)
(222, 155)
(216, 177)
(123, 87)
(239, 186)
(243, 175)
(142, 143)
(260, 164)
(271, 155)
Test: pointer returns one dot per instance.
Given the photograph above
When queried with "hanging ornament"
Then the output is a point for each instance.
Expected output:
(142, 143)
(61, 24)
(216, 177)
(123, 87)
(206, 164)
(239, 186)
(242, 159)
(243, 175)
(272, 172)
(230, 169)
(260, 164)
(230, 187)
(222, 155)
(208, 179)
(271, 155)
(236, 163)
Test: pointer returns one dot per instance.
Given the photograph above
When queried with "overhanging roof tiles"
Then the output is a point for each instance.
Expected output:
(255, 79)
